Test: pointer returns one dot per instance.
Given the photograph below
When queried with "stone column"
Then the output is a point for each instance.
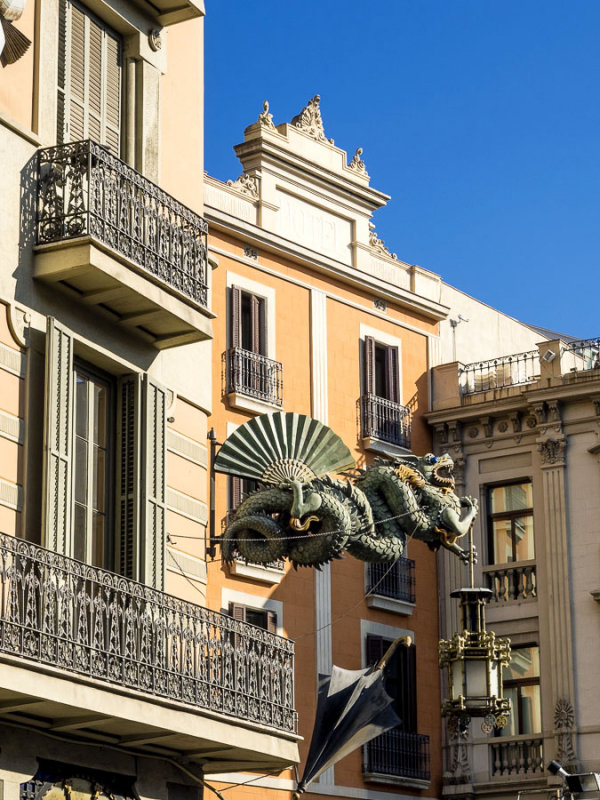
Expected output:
(557, 595)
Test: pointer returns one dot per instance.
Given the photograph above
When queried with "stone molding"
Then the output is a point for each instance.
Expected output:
(246, 184)
(553, 452)
(378, 244)
(357, 164)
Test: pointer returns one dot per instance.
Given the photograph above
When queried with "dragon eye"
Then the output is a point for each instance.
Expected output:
(432, 459)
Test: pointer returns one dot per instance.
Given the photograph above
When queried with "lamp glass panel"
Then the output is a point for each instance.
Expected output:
(457, 673)
(494, 679)
(476, 674)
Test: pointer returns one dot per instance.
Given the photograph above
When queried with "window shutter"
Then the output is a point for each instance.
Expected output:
(89, 79)
(236, 316)
(375, 647)
(369, 365)
(392, 374)
(58, 439)
(258, 325)
(128, 476)
(235, 493)
(154, 500)
(237, 611)
(272, 621)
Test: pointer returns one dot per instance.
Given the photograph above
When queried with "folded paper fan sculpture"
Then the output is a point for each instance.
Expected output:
(13, 43)
(276, 447)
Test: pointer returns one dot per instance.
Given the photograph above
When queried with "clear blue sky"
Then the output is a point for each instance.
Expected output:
(480, 117)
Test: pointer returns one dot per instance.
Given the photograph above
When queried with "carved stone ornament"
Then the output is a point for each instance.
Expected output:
(246, 184)
(310, 121)
(516, 422)
(503, 426)
(553, 451)
(155, 39)
(564, 724)
(488, 425)
(357, 164)
(474, 432)
(264, 118)
(531, 421)
(251, 252)
(379, 244)
(459, 766)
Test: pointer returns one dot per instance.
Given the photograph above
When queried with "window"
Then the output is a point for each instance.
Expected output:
(93, 456)
(510, 523)
(89, 78)
(401, 678)
(248, 328)
(522, 687)
(113, 516)
(381, 370)
(261, 617)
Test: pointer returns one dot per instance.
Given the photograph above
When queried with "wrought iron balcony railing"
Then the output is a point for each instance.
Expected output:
(581, 356)
(396, 581)
(398, 754)
(60, 612)
(385, 420)
(253, 375)
(496, 373)
(84, 190)
(515, 582)
(523, 756)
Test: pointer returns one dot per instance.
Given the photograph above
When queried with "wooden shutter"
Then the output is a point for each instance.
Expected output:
(58, 439)
(236, 316)
(237, 611)
(128, 462)
(272, 621)
(89, 78)
(258, 325)
(235, 492)
(369, 365)
(392, 374)
(154, 499)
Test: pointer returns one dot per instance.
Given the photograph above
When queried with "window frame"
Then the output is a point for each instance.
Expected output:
(508, 516)
(98, 376)
(518, 684)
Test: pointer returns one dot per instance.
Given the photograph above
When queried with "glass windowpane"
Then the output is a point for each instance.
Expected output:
(98, 537)
(81, 470)
(81, 394)
(502, 541)
(100, 414)
(99, 480)
(524, 543)
(79, 537)
(514, 497)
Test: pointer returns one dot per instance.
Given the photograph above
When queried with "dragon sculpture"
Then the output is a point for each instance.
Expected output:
(300, 512)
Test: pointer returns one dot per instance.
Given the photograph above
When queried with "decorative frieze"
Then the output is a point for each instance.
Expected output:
(459, 766)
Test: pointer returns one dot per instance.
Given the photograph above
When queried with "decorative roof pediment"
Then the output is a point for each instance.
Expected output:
(310, 120)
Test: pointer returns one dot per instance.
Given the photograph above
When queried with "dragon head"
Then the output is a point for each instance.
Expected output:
(301, 505)
(437, 470)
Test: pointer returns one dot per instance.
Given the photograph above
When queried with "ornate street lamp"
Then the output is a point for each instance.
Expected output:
(474, 659)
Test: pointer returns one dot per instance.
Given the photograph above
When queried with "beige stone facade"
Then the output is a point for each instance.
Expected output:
(115, 678)
(523, 430)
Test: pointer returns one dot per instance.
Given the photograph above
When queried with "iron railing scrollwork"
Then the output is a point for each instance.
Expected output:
(396, 581)
(399, 754)
(524, 756)
(497, 373)
(84, 620)
(84, 190)
(385, 420)
(254, 375)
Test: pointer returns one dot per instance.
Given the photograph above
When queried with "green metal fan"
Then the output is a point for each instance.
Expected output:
(283, 446)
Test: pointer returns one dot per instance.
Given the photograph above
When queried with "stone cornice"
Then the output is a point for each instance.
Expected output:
(265, 240)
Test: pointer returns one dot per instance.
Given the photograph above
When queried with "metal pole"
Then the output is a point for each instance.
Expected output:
(211, 550)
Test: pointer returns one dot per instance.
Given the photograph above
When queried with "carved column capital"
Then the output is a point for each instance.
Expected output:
(553, 452)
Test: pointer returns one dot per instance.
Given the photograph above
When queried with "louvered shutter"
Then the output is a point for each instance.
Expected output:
(407, 658)
(369, 365)
(272, 621)
(237, 611)
(154, 499)
(258, 325)
(236, 316)
(58, 439)
(89, 79)
(128, 476)
(235, 492)
(392, 374)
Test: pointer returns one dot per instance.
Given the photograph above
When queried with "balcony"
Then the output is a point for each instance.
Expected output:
(391, 587)
(126, 664)
(512, 583)
(518, 369)
(116, 241)
(384, 421)
(518, 757)
(398, 757)
(252, 381)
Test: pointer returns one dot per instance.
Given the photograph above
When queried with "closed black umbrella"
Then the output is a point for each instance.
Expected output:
(352, 708)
